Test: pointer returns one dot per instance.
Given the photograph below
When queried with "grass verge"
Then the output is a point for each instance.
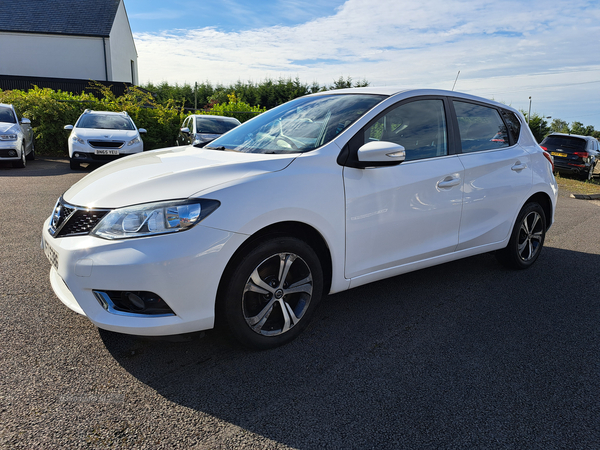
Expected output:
(576, 186)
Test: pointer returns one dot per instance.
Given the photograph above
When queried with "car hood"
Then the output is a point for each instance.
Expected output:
(94, 133)
(172, 173)
(6, 127)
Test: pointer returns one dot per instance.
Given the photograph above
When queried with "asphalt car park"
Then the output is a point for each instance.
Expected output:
(461, 355)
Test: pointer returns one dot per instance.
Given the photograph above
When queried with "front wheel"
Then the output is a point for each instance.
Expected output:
(527, 238)
(74, 165)
(23, 161)
(272, 292)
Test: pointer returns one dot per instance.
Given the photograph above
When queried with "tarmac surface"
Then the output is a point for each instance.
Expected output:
(460, 356)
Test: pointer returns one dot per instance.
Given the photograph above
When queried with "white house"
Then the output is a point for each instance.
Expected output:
(78, 39)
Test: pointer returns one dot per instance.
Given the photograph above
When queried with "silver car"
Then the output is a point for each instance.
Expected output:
(16, 137)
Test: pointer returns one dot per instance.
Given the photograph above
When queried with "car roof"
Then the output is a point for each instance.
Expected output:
(587, 138)
(204, 116)
(118, 113)
(410, 92)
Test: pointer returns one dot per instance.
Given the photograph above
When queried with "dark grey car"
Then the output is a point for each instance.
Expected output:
(574, 154)
(199, 130)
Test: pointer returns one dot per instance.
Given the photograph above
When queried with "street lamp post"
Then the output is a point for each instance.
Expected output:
(529, 113)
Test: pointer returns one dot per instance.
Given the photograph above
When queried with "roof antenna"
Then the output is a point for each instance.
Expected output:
(455, 80)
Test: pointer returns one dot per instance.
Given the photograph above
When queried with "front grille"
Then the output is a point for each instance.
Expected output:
(69, 220)
(82, 222)
(106, 144)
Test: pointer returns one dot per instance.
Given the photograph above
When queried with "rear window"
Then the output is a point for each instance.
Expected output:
(566, 143)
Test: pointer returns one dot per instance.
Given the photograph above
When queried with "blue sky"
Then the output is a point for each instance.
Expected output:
(505, 50)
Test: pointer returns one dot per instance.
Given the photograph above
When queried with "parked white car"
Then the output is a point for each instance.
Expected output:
(319, 195)
(16, 137)
(102, 136)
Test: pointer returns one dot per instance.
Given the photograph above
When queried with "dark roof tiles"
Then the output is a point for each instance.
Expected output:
(70, 17)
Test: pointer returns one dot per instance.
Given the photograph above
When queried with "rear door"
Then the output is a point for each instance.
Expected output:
(497, 176)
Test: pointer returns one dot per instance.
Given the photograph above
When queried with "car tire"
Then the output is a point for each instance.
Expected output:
(31, 155)
(262, 311)
(527, 238)
(74, 165)
(23, 161)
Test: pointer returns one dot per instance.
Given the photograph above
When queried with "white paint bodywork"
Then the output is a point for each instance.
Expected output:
(375, 222)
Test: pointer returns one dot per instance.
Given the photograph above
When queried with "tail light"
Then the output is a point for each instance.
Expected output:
(549, 157)
(544, 148)
(581, 154)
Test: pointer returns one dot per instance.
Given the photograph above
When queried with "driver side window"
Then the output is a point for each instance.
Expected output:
(419, 126)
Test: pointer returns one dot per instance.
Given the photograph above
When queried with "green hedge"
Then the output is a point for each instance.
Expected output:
(49, 111)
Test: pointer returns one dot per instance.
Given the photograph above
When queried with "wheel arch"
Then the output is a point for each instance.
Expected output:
(295, 229)
(544, 201)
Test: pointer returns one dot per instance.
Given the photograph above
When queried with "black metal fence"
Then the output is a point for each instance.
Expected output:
(11, 82)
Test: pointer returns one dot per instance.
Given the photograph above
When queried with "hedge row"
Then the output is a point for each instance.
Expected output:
(49, 111)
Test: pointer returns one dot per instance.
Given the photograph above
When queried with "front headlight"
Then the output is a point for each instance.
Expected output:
(134, 141)
(76, 138)
(154, 218)
(8, 137)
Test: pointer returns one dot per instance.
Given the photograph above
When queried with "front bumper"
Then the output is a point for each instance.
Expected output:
(184, 269)
(10, 150)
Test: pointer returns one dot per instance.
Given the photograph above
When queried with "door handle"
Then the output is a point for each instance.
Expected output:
(518, 166)
(448, 182)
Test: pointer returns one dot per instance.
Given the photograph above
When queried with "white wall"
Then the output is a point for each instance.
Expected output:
(121, 49)
(44, 55)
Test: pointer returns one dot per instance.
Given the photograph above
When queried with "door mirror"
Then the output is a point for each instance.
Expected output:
(185, 130)
(68, 127)
(142, 131)
(25, 121)
(381, 153)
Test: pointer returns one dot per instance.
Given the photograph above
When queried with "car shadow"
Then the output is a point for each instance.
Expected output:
(449, 351)
(43, 166)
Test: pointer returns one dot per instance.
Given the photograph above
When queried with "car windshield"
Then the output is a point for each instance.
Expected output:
(214, 126)
(7, 116)
(565, 142)
(298, 126)
(105, 122)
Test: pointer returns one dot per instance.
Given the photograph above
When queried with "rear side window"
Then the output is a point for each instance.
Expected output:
(514, 126)
(481, 128)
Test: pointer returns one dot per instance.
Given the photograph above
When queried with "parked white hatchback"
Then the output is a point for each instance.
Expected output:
(102, 136)
(319, 195)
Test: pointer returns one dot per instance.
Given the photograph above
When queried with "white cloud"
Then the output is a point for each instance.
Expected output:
(505, 49)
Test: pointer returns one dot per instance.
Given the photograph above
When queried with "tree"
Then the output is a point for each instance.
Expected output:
(538, 126)
(559, 126)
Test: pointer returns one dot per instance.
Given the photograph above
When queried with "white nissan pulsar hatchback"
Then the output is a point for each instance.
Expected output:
(322, 194)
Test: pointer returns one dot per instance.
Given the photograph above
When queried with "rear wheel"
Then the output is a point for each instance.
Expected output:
(527, 238)
(272, 292)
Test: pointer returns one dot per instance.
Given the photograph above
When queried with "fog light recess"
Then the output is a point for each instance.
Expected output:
(137, 303)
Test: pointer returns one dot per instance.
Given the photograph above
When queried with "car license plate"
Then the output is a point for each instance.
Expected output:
(106, 152)
(50, 254)
(562, 155)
